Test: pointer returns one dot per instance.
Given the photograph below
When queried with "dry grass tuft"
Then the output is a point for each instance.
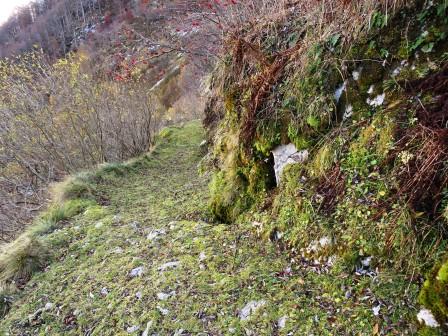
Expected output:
(21, 258)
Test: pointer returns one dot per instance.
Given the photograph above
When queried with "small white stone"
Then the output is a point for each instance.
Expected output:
(148, 328)
(98, 225)
(325, 241)
(136, 272)
(48, 306)
(138, 295)
(163, 296)
(202, 256)
(179, 332)
(155, 234)
(376, 310)
(348, 112)
(377, 101)
(396, 71)
(135, 225)
(339, 90)
(172, 224)
(250, 308)
(356, 74)
(163, 311)
(426, 316)
(132, 329)
(168, 265)
(117, 250)
(371, 88)
(366, 261)
(282, 322)
(104, 291)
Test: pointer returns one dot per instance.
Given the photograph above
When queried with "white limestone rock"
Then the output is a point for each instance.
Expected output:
(136, 272)
(250, 308)
(281, 323)
(148, 328)
(132, 329)
(287, 154)
(48, 306)
(377, 101)
(169, 265)
(376, 310)
(165, 296)
(348, 112)
(426, 316)
(339, 91)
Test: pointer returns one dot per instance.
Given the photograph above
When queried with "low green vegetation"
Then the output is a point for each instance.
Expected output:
(145, 258)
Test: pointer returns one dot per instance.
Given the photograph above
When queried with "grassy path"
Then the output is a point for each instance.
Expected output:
(146, 262)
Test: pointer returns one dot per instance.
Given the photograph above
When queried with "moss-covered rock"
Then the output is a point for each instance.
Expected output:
(434, 293)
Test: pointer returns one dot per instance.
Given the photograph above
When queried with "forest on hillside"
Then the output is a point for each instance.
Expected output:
(91, 81)
(86, 82)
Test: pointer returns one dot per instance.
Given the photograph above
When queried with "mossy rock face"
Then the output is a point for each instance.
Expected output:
(228, 196)
(234, 192)
(434, 293)
(349, 189)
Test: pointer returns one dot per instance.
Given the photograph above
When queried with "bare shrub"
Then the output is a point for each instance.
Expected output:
(58, 119)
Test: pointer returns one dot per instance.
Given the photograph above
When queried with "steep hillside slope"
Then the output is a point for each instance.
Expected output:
(111, 50)
(353, 93)
(146, 262)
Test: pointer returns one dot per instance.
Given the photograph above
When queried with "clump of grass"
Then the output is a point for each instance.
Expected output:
(95, 212)
(73, 187)
(48, 221)
(116, 169)
(29, 253)
(322, 161)
(23, 257)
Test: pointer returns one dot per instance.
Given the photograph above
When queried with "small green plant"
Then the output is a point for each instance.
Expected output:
(379, 20)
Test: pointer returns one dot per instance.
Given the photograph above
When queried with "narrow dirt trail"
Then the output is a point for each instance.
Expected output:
(147, 262)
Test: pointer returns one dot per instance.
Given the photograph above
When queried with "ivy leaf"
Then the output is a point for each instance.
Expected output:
(427, 48)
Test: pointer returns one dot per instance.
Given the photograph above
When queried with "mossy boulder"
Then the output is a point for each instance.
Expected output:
(434, 293)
